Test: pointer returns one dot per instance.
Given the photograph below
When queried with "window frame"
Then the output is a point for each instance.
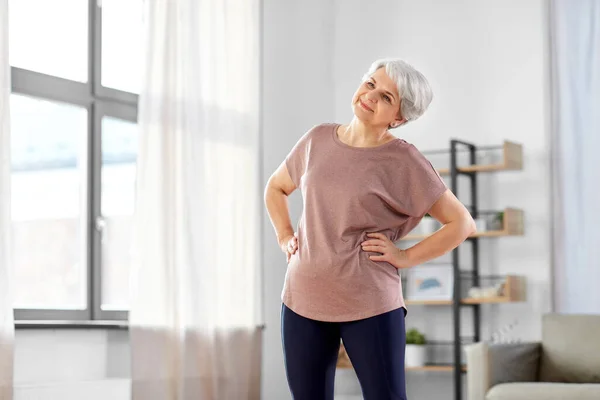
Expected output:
(99, 101)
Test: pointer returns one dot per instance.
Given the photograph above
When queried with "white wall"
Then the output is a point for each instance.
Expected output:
(488, 64)
(72, 364)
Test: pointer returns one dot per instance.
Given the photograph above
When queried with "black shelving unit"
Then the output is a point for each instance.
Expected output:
(456, 172)
(457, 304)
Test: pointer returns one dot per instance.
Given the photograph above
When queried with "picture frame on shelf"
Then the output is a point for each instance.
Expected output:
(430, 282)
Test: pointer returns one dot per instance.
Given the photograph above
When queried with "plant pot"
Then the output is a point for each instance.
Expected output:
(415, 355)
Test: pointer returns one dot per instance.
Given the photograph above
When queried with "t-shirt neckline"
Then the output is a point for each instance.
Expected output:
(337, 140)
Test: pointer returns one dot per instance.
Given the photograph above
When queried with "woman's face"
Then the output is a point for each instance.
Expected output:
(376, 101)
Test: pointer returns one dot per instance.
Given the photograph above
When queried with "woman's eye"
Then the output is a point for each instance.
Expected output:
(387, 98)
(370, 84)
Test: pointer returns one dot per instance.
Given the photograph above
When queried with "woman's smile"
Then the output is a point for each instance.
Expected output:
(364, 106)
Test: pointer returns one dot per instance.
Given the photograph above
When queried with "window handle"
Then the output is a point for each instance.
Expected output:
(101, 227)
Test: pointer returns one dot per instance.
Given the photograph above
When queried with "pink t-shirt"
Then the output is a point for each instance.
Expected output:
(348, 192)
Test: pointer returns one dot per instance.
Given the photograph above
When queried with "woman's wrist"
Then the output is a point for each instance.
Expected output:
(403, 259)
(281, 239)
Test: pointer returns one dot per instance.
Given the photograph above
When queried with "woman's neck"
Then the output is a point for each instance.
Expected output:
(357, 134)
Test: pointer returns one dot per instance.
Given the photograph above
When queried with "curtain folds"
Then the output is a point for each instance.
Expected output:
(195, 310)
(575, 55)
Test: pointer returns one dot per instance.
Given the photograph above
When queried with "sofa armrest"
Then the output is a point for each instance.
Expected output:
(491, 364)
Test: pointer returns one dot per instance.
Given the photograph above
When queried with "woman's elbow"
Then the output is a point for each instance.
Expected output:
(269, 190)
(469, 226)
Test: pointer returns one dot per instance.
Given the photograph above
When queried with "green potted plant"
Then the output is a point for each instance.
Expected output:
(415, 348)
(498, 221)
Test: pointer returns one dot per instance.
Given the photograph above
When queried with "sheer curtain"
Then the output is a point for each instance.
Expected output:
(195, 309)
(6, 311)
(575, 44)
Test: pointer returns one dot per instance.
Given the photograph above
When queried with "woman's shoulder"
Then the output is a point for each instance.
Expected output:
(323, 127)
(406, 147)
(314, 133)
(318, 130)
(409, 152)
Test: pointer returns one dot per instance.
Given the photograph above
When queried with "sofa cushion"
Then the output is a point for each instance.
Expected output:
(544, 391)
(570, 349)
(514, 362)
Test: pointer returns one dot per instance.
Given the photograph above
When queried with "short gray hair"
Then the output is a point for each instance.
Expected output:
(413, 88)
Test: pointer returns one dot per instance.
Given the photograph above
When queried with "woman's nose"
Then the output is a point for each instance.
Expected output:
(371, 97)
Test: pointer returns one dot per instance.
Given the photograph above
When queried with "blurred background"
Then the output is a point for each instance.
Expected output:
(520, 80)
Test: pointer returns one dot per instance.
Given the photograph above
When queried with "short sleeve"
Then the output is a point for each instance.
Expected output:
(297, 158)
(425, 185)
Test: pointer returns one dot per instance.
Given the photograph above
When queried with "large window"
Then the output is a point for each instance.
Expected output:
(76, 68)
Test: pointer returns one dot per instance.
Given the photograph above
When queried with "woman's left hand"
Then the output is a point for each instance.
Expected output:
(389, 252)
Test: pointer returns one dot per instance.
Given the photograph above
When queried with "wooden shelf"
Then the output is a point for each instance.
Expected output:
(512, 226)
(428, 302)
(514, 291)
(490, 300)
(512, 159)
(436, 368)
(344, 363)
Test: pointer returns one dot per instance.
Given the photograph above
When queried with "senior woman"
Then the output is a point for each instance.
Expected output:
(363, 189)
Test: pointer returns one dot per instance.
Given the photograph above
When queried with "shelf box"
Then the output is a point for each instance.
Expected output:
(513, 222)
(512, 159)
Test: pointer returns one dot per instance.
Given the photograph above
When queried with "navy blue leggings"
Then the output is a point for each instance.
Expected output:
(375, 346)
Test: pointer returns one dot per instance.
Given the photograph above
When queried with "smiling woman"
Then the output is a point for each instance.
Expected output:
(363, 190)
(401, 92)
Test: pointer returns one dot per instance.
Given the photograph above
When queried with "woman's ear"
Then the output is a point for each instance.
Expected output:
(398, 122)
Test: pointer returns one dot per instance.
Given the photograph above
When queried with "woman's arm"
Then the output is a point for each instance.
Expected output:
(457, 224)
(279, 186)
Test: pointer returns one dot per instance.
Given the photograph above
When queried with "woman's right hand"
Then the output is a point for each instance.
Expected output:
(289, 245)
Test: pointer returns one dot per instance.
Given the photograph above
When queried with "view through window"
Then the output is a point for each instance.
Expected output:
(76, 68)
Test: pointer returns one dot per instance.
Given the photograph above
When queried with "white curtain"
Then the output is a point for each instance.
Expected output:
(575, 44)
(195, 309)
(7, 327)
